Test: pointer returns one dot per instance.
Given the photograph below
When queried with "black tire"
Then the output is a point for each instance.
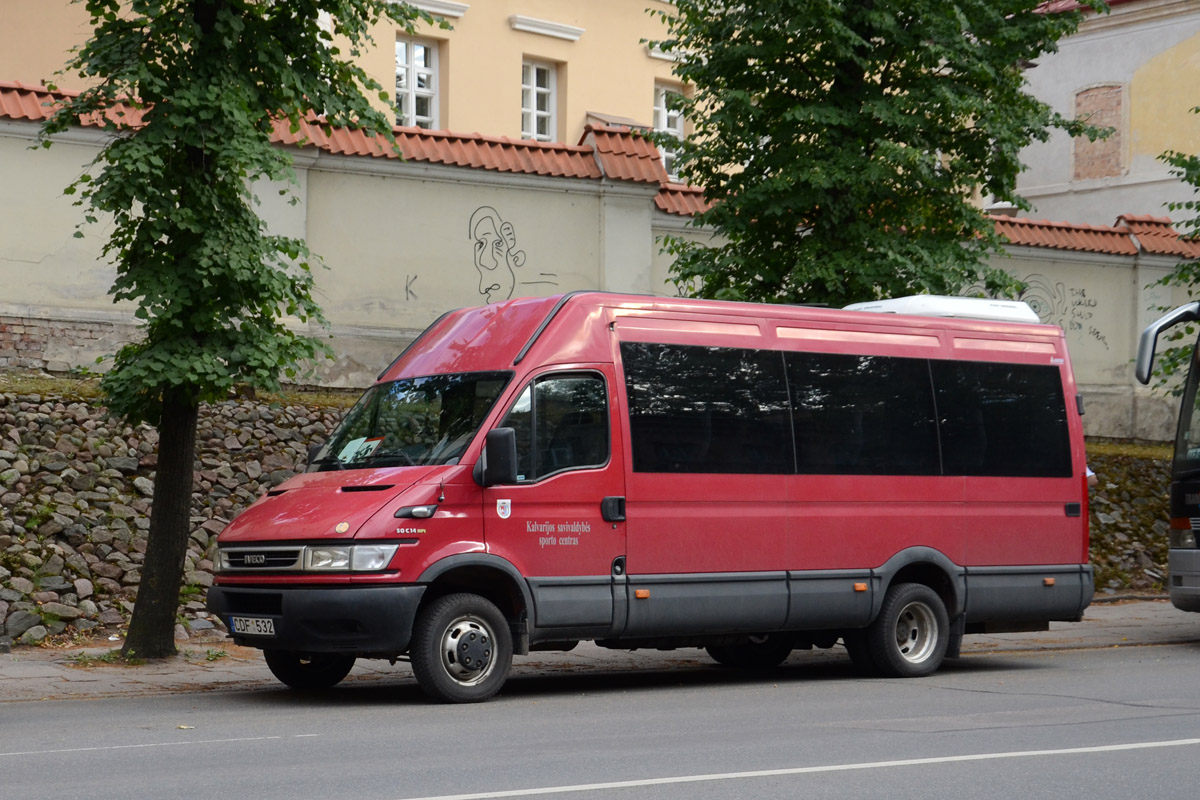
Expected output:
(308, 672)
(761, 652)
(461, 649)
(909, 637)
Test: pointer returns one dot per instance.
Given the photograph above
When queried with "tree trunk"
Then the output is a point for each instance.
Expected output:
(152, 628)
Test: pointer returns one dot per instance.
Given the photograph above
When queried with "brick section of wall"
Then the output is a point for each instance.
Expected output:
(24, 341)
(1102, 158)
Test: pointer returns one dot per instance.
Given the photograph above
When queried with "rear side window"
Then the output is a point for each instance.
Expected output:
(561, 423)
(1002, 419)
(862, 415)
(730, 410)
(707, 409)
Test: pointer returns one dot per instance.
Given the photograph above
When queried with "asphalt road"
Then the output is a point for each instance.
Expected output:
(1095, 723)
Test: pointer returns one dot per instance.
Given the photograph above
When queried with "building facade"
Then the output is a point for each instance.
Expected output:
(1132, 70)
(475, 218)
(523, 69)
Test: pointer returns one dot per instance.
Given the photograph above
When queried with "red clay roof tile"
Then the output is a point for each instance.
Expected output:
(676, 198)
(36, 103)
(1055, 6)
(620, 152)
(625, 154)
(1157, 236)
(1066, 236)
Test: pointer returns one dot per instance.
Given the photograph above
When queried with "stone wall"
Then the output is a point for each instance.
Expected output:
(75, 488)
(75, 491)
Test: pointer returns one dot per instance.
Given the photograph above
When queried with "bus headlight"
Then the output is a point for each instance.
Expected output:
(348, 558)
(1179, 538)
(327, 558)
(371, 557)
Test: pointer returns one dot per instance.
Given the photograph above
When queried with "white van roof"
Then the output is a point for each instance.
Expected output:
(931, 305)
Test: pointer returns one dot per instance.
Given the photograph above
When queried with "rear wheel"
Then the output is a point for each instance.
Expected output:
(461, 649)
(308, 672)
(760, 652)
(909, 637)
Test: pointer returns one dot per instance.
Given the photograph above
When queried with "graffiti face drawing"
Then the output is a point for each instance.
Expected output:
(496, 255)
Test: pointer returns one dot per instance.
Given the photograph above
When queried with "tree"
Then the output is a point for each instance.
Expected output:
(190, 91)
(1174, 358)
(842, 144)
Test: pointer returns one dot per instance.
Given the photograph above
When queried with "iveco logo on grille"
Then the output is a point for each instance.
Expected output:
(262, 558)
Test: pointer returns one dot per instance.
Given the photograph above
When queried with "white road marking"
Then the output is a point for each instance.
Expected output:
(767, 773)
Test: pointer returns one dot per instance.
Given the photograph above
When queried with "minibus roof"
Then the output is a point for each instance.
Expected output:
(932, 305)
(502, 335)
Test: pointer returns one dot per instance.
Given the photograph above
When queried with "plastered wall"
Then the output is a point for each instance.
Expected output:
(402, 243)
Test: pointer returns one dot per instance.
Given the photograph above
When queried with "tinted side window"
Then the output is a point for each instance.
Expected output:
(862, 415)
(1002, 419)
(707, 409)
(561, 423)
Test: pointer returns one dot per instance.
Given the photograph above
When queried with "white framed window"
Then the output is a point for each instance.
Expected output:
(668, 118)
(538, 98)
(416, 83)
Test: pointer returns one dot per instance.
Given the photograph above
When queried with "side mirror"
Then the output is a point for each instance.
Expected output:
(498, 463)
(313, 449)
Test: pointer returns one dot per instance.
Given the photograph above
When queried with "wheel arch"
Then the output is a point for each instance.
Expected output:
(488, 576)
(929, 567)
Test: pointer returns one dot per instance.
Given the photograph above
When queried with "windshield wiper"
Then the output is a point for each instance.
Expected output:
(399, 455)
(326, 461)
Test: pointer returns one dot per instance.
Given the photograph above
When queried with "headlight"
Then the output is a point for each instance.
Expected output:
(348, 558)
(1179, 538)
(371, 557)
(327, 558)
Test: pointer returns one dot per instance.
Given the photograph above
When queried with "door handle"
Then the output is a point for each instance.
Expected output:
(612, 509)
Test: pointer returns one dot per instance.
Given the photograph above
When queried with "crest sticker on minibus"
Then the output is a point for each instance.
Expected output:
(504, 508)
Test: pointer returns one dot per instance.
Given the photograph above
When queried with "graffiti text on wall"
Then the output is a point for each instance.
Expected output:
(1069, 307)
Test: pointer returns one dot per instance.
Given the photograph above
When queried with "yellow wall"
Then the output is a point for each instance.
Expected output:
(1160, 115)
(36, 37)
(607, 70)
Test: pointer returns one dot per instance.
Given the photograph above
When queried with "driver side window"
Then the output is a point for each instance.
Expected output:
(561, 422)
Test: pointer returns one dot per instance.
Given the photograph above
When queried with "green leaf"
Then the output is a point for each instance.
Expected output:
(841, 144)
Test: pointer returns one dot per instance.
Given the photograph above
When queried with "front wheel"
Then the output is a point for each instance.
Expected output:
(308, 672)
(909, 637)
(461, 649)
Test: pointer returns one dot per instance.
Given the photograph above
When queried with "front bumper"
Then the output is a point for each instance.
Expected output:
(1183, 571)
(363, 621)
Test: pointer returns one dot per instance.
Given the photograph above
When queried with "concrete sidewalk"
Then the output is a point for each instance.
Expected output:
(213, 663)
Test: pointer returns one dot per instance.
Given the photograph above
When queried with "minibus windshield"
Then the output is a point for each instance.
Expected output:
(414, 421)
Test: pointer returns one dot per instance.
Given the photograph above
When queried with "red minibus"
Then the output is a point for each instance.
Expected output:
(666, 473)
